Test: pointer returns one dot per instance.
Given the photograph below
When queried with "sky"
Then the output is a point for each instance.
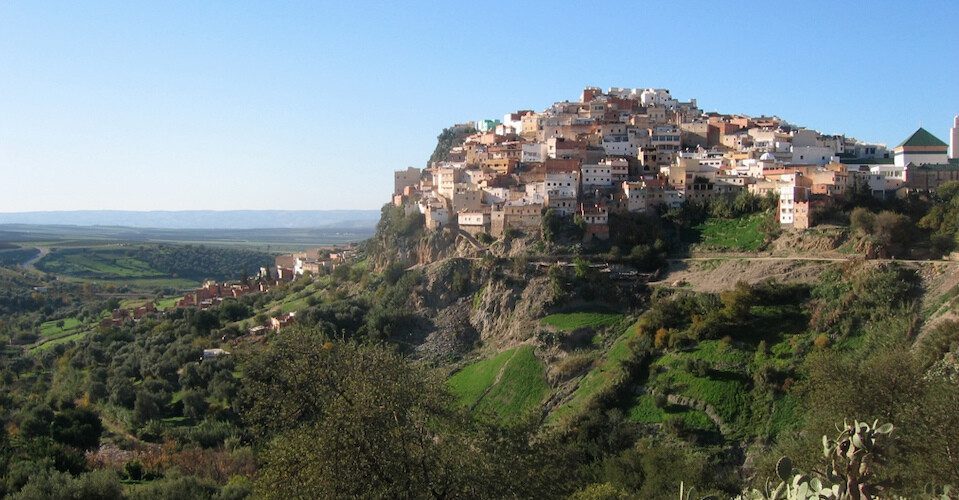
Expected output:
(291, 105)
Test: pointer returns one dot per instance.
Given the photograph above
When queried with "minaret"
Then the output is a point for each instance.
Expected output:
(954, 139)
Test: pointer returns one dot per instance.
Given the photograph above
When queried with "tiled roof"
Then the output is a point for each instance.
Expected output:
(922, 137)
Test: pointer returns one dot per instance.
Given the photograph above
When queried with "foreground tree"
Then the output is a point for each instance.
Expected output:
(350, 419)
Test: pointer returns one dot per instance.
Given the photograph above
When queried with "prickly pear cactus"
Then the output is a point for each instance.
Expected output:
(850, 468)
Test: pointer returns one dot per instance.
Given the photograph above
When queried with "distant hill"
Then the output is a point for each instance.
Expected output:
(201, 219)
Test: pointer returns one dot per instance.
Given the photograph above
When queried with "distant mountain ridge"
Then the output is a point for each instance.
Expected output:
(200, 219)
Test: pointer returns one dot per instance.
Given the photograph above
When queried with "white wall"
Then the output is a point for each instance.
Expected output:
(903, 159)
(954, 139)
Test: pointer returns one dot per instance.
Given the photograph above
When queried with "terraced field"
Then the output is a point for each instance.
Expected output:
(507, 386)
(52, 334)
(572, 321)
(739, 235)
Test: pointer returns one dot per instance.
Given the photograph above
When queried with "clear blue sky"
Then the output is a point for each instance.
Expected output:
(290, 105)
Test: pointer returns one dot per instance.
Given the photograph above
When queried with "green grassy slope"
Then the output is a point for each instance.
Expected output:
(742, 234)
(572, 321)
(506, 386)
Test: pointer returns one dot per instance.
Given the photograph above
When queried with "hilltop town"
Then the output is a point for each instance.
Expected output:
(640, 150)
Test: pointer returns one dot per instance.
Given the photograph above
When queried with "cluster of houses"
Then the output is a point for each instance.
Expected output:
(286, 268)
(640, 150)
(313, 261)
(213, 293)
(120, 316)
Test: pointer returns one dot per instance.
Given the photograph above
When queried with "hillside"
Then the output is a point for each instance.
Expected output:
(715, 364)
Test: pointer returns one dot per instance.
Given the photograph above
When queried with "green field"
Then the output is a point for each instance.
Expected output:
(109, 265)
(52, 335)
(470, 383)
(742, 234)
(644, 410)
(99, 263)
(50, 329)
(167, 302)
(725, 387)
(57, 341)
(507, 386)
(572, 321)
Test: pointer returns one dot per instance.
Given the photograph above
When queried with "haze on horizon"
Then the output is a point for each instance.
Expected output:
(223, 106)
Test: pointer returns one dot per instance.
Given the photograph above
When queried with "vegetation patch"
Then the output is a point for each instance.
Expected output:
(16, 255)
(57, 327)
(604, 375)
(740, 234)
(645, 410)
(571, 321)
(520, 389)
(151, 262)
(726, 391)
(472, 382)
(506, 386)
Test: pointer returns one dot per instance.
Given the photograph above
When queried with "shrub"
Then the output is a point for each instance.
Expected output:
(821, 341)
(573, 364)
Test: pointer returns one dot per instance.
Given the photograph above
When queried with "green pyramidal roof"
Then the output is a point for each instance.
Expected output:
(922, 137)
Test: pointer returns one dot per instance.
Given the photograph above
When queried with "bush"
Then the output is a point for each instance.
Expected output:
(821, 341)
(574, 364)
(133, 470)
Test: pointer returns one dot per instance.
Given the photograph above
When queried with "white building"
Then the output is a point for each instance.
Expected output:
(808, 155)
(657, 97)
(954, 139)
(889, 172)
(787, 199)
(562, 180)
(635, 196)
(620, 145)
(674, 198)
(444, 180)
(494, 195)
(921, 148)
(437, 216)
(533, 152)
(561, 200)
(474, 222)
(535, 192)
(755, 168)
(599, 175)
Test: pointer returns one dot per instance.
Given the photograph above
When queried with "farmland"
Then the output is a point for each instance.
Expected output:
(507, 386)
(743, 234)
(152, 266)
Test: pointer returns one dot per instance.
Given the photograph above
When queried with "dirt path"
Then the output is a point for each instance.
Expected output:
(30, 264)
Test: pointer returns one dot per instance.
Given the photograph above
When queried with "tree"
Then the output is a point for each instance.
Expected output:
(232, 310)
(194, 405)
(343, 419)
(892, 385)
(77, 427)
(36, 422)
(122, 392)
(146, 407)
(893, 232)
(53, 484)
(862, 220)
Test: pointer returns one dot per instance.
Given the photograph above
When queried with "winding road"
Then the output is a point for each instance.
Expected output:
(30, 264)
